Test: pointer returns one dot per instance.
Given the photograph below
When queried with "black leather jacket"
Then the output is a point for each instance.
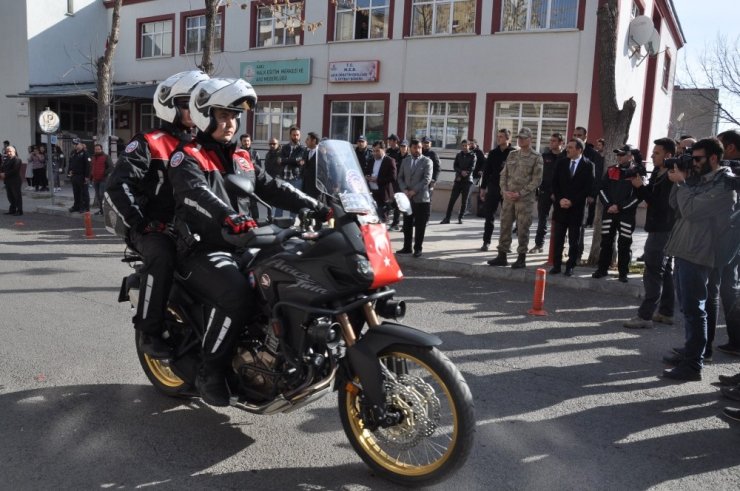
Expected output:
(202, 201)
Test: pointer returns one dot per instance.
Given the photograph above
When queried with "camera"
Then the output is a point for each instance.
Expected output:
(636, 170)
(683, 162)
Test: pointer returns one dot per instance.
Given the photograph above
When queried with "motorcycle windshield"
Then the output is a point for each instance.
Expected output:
(339, 175)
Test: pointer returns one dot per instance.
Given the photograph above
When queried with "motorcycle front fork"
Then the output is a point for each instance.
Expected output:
(348, 331)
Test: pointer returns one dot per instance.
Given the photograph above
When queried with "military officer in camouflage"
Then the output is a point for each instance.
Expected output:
(521, 176)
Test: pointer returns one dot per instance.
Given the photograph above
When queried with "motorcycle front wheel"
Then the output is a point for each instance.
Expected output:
(160, 374)
(435, 434)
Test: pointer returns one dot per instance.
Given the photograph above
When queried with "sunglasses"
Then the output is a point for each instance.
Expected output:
(697, 158)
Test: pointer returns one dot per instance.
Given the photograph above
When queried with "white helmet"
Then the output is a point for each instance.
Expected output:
(178, 85)
(226, 93)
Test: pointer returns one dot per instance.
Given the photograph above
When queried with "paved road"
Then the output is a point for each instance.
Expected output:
(567, 401)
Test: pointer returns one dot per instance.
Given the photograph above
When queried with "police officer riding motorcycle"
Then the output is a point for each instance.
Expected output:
(205, 208)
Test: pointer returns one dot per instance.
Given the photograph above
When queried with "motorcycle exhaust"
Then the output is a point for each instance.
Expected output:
(280, 404)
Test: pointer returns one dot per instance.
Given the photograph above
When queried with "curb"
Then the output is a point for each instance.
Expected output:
(608, 285)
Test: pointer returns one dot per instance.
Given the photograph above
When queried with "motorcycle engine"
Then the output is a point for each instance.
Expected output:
(251, 366)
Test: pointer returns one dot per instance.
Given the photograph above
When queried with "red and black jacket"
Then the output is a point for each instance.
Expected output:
(138, 188)
(616, 189)
(196, 172)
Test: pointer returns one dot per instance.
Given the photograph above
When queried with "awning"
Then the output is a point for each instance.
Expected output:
(132, 90)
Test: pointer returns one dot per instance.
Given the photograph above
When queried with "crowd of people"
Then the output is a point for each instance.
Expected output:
(168, 179)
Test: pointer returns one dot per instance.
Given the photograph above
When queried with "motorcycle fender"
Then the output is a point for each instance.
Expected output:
(363, 354)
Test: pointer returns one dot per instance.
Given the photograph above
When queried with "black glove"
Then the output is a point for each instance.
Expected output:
(239, 224)
(324, 213)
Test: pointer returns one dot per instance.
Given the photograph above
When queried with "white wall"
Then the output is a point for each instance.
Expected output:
(61, 46)
(14, 76)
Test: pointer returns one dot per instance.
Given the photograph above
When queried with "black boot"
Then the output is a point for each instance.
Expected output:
(154, 346)
(211, 384)
(520, 262)
(499, 260)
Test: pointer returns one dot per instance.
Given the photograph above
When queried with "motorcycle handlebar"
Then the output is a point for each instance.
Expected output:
(261, 237)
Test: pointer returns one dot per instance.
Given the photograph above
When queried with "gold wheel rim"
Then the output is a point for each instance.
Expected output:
(162, 372)
(368, 442)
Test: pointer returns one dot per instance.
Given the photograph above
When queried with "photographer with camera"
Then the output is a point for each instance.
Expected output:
(703, 199)
(620, 202)
(657, 278)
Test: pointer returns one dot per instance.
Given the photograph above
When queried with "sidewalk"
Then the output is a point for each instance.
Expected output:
(455, 248)
(451, 249)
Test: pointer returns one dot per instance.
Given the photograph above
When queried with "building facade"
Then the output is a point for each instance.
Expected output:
(694, 112)
(447, 69)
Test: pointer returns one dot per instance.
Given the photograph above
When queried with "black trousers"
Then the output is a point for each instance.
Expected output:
(158, 252)
(611, 225)
(81, 194)
(490, 205)
(657, 278)
(214, 277)
(415, 225)
(573, 228)
(15, 196)
(459, 188)
(544, 203)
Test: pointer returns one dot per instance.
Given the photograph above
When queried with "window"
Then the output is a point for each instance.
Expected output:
(148, 119)
(431, 17)
(446, 123)
(155, 38)
(193, 33)
(666, 70)
(543, 118)
(78, 117)
(273, 119)
(350, 119)
(278, 25)
(366, 19)
(531, 15)
(636, 10)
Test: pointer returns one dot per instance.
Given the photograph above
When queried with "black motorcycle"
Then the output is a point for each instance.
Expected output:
(404, 406)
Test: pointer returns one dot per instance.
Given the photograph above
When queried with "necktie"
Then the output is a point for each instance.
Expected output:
(413, 164)
(572, 167)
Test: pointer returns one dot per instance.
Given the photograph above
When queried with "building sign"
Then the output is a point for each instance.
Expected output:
(354, 71)
(284, 72)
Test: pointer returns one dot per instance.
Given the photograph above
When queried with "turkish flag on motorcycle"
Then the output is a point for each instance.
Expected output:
(379, 253)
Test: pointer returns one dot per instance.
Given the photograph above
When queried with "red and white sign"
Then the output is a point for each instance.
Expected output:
(354, 71)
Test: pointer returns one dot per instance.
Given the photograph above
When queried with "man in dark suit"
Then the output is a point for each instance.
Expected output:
(380, 173)
(309, 167)
(414, 177)
(572, 183)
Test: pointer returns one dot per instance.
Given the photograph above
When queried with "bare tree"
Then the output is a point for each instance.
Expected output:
(719, 66)
(615, 121)
(211, 12)
(104, 78)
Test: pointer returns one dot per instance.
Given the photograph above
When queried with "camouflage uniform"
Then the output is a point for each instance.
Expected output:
(522, 173)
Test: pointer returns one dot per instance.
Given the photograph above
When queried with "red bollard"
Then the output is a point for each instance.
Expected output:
(551, 251)
(88, 226)
(538, 302)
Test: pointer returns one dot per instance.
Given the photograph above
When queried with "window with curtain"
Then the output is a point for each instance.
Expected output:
(532, 15)
(279, 26)
(195, 34)
(434, 17)
(156, 39)
(361, 19)
(543, 118)
(273, 119)
(445, 123)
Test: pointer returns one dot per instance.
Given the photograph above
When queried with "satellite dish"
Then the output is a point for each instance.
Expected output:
(640, 30)
(653, 45)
